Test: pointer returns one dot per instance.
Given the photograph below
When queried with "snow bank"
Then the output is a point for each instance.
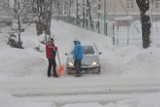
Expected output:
(147, 61)
(146, 101)
(6, 100)
(150, 100)
(19, 62)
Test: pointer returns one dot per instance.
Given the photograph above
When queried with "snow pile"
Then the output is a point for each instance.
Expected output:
(6, 100)
(22, 62)
(152, 100)
(147, 61)
(18, 62)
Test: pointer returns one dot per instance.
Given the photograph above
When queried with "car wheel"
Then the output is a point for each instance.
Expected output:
(69, 71)
(99, 70)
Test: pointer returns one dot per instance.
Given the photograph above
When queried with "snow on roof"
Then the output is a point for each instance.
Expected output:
(87, 42)
(124, 18)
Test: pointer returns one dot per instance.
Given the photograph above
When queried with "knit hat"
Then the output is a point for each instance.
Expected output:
(75, 40)
(52, 40)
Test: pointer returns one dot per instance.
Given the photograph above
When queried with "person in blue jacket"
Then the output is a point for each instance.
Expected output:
(77, 56)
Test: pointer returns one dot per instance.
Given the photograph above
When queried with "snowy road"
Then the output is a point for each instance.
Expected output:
(62, 90)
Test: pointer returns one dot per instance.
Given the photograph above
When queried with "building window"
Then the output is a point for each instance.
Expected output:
(157, 3)
(129, 4)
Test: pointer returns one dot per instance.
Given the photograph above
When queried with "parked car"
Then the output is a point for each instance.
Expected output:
(90, 62)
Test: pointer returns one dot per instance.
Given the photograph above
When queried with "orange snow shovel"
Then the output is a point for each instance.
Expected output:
(61, 68)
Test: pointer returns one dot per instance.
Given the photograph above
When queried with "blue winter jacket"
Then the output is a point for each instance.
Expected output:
(78, 51)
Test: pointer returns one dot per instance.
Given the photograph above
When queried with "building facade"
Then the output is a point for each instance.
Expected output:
(116, 8)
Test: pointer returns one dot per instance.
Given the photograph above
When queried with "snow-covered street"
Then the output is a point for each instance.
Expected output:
(130, 75)
(82, 90)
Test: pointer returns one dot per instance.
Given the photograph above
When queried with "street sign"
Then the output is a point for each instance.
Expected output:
(123, 21)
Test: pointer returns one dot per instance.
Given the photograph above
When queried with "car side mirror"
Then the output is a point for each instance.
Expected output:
(100, 53)
(66, 54)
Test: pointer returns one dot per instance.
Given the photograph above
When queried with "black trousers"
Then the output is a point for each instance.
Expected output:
(77, 65)
(52, 66)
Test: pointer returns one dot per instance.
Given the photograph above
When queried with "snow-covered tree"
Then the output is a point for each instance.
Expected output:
(18, 14)
(6, 13)
(144, 7)
(43, 9)
(88, 13)
(77, 13)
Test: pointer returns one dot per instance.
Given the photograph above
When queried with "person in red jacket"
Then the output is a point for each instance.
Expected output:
(51, 50)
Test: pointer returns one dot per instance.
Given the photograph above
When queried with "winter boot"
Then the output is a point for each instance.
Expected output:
(78, 75)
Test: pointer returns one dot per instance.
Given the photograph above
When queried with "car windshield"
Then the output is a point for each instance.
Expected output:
(87, 50)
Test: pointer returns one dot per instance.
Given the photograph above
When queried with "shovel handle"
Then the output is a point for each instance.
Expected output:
(58, 58)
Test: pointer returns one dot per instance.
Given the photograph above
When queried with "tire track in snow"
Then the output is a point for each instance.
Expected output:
(80, 87)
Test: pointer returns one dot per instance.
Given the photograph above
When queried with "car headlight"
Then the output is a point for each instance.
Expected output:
(70, 64)
(94, 63)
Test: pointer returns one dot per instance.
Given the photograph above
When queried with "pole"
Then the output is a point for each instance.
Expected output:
(127, 35)
(61, 9)
(77, 14)
(105, 17)
(50, 18)
(83, 13)
(99, 13)
(19, 24)
(113, 33)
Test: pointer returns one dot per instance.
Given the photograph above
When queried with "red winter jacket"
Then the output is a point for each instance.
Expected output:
(51, 50)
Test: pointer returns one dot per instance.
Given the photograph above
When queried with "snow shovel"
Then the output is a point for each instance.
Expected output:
(61, 68)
